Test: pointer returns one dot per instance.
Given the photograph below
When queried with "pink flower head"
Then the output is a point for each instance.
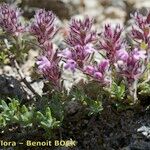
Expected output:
(66, 53)
(77, 55)
(43, 26)
(122, 55)
(103, 66)
(138, 55)
(81, 53)
(80, 44)
(99, 72)
(48, 50)
(50, 69)
(43, 63)
(90, 70)
(140, 20)
(10, 19)
(133, 66)
(48, 64)
(141, 30)
(70, 64)
(112, 41)
(88, 48)
(98, 75)
(80, 32)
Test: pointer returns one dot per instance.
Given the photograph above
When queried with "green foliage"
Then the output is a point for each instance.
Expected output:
(3, 57)
(14, 47)
(9, 112)
(26, 116)
(117, 91)
(94, 106)
(57, 105)
(144, 89)
(118, 96)
(144, 94)
(46, 120)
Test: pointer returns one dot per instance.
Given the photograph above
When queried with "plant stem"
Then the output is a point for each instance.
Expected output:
(24, 79)
(133, 90)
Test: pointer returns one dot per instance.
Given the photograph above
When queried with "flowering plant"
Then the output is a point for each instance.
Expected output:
(10, 19)
(81, 47)
(112, 68)
(80, 43)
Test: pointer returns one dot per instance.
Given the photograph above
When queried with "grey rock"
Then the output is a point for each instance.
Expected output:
(140, 145)
(145, 131)
(11, 87)
(60, 8)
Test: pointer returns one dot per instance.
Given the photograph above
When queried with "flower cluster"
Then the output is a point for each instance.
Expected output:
(141, 34)
(10, 19)
(44, 29)
(120, 59)
(43, 26)
(130, 64)
(141, 30)
(48, 65)
(99, 72)
(80, 43)
(111, 41)
(77, 56)
(81, 32)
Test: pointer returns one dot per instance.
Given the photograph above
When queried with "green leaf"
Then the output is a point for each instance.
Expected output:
(117, 91)
(4, 105)
(2, 121)
(14, 105)
(95, 107)
(39, 115)
(44, 125)
(48, 113)
(24, 109)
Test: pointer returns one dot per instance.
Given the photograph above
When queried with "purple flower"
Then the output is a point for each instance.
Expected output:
(122, 55)
(99, 72)
(130, 66)
(10, 19)
(103, 65)
(98, 75)
(77, 55)
(50, 69)
(80, 44)
(133, 66)
(88, 48)
(111, 41)
(140, 20)
(48, 50)
(48, 64)
(90, 70)
(138, 55)
(82, 53)
(66, 53)
(80, 32)
(140, 31)
(43, 26)
(43, 63)
(70, 64)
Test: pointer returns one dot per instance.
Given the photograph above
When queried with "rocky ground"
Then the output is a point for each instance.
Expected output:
(126, 130)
